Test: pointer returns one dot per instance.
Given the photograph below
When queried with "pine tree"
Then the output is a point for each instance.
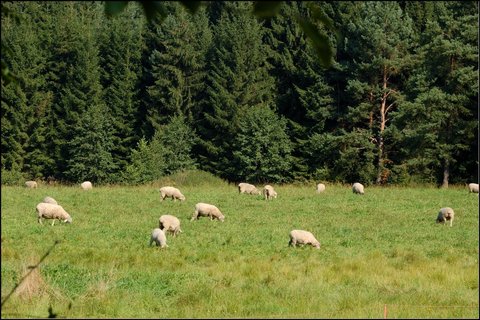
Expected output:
(439, 124)
(378, 44)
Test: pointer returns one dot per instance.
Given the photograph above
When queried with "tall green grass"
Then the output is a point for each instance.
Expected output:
(380, 248)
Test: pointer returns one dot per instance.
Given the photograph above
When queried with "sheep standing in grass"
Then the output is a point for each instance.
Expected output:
(31, 184)
(445, 214)
(49, 200)
(171, 192)
(169, 223)
(269, 192)
(320, 188)
(303, 237)
(207, 210)
(52, 211)
(158, 236)
(358, 188)
(248, 188)
(86, 185)
(473, 187)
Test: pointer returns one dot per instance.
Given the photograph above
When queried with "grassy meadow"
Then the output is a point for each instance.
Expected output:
(380, 248)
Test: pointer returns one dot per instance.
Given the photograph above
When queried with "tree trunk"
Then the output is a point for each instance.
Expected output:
(383, 120)
(446, 174)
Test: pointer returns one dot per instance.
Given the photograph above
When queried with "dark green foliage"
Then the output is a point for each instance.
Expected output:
(345, 157)
(146, 164)
(200, 80)
(238, 79)
(121, 70)
(168, 152)
(177, 63)
(261, 149)
(89, 156)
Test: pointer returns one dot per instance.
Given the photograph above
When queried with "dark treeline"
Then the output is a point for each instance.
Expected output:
(123, 100)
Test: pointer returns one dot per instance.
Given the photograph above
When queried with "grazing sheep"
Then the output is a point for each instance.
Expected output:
(358, 188)
(207, 210)
(171, 192)
(248, 188)
(86, 185)
(445, 214)
(473, 187)
(320, 187)
(269, 193)
(49, 200)
(303, 237)
(158, 236)
(169, 223)
(31, 184)
(52, 211)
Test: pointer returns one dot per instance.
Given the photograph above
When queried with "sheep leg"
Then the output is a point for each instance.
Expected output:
(195, 216)
(53, 222)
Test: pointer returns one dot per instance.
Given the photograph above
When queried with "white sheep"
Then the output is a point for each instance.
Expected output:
(303, 237)
(86, 185)
(269, 192)
(248, 188)
(445, 214)
(158, 236)
(49, 200)
(31, 184)
(52, 211)
(207, 210)
(171, 192)
(358, 188)
(320, 188)
(473, 187)
(169, 223)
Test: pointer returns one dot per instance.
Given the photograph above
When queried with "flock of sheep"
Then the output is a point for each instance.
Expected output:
(50, 209)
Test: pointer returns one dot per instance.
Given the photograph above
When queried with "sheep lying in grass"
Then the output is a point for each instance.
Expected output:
(31, 184)
(445, 214)
(303, 237)
(86, 185)
(158, 236)
(473, 187)
(358, 188)
(207, 210)
(52, 211)
(171, 192)
(320, 188)
(269, 192)
(248, 188)
(49, 200)
(169, 223)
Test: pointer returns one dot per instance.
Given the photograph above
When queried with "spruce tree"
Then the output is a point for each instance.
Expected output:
(25, 103)
(238, 80)
(261, 149)
(303, 94)
(120, 54)
(177, 64)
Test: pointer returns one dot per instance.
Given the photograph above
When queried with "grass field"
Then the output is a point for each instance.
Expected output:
(380, 248)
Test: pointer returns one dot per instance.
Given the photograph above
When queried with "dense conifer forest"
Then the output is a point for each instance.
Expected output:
(128, 100)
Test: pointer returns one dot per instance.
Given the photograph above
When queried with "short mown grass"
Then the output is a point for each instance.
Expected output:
(383, 248)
